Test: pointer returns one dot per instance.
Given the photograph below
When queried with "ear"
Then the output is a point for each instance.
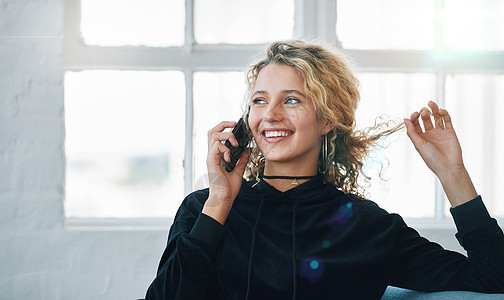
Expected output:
(326, 126)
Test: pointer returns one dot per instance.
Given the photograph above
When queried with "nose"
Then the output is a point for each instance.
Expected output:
(274, 113)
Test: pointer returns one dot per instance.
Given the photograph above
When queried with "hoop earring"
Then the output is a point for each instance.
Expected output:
(325, 160)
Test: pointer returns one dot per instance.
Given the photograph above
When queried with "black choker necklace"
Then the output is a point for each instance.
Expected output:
(294, 178)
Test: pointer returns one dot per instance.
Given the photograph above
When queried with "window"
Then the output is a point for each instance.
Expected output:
(252, 22)
(409, 53)
(217, 97)
(475, 101)
(421, 24)
(473, 26)
(375, 24)
(396, 94)
(145, 81)
(153, 23)
(122, 142)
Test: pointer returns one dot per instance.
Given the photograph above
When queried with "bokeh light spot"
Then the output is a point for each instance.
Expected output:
(342, 218)
(312, 268)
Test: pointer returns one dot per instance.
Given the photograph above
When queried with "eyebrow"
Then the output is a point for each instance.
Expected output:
(284, 92)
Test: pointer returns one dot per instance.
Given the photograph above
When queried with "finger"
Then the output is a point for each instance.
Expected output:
(217, 152)
(414, 120)
(224, 136)
(226, 153)
(425, 115)
(412, 133)
(220, 127)
(221, 137)
(438, 120)
(446, 118)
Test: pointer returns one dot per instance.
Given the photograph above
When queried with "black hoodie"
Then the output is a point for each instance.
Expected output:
(315, 242)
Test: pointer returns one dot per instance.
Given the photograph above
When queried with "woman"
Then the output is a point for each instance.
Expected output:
(299, 228)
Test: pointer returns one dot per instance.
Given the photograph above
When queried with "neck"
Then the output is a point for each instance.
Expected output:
(284, 177)
(290, 169)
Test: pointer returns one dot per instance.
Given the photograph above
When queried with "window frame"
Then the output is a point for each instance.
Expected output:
(312, 19)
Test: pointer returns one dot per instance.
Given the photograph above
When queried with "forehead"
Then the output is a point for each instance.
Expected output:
(277, 75)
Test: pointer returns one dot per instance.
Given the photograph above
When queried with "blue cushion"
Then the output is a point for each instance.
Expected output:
(394, 293)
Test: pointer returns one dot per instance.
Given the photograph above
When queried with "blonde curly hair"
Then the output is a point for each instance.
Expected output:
(334, 89)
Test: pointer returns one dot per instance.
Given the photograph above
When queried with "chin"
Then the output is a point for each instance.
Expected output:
(277, 157)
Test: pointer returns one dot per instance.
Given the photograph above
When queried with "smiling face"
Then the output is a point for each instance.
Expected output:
(283, 122)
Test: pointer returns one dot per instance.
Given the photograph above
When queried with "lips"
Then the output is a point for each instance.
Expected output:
(276, 135)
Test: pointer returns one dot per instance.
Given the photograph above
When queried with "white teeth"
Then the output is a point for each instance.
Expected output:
(276, 133)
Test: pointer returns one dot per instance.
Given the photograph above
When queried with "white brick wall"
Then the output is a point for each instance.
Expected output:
(39, 257)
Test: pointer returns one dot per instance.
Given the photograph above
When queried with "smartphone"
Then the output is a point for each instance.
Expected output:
(241, 135)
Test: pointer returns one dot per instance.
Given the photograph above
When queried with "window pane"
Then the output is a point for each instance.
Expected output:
(218, 96)
(124, 143)
(243, 22)
(475, 104)
(386, 24)
(397, 96)
(474, 25)
(154, 23)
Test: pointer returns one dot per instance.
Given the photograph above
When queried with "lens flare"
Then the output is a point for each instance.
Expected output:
(312, 269)
(341, 219)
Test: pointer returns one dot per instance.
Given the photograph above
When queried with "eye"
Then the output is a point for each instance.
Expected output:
(258, 101)
(291, 101)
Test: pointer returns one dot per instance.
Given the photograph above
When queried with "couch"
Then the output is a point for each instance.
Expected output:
(395, 293)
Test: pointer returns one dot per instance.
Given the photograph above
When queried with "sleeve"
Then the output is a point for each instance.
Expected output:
(187, 265)
(425, 266)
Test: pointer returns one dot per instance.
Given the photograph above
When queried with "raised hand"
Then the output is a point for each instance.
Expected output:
(224, 186)
(440, 149)
(437, 144)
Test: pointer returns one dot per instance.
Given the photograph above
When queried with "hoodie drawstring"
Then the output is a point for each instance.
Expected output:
(251, 255)
(294, 267)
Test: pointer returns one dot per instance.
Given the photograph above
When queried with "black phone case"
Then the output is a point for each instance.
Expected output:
(240, 133)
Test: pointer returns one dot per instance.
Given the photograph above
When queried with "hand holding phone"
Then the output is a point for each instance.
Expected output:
(240, 133)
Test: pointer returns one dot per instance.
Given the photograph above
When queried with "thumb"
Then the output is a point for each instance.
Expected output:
(242, 163)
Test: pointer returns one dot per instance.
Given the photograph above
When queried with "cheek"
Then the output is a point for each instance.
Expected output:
(307, 120)
(253, 121)
(310, 127)
(253, 125)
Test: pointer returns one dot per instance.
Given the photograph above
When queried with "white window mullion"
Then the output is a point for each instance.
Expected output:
(189, 44)
(315, 19)
(440, 195)
(299, 19)
(326, 21)
(189, 25)
(489, 137)
(188, 155)
(72, 40)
